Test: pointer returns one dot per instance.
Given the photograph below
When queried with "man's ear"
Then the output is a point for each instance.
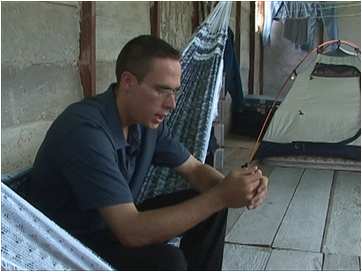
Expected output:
(127, 80)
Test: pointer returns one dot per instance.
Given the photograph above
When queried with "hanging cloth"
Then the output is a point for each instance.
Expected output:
(191, 121)
(301, 21)
(232, 74)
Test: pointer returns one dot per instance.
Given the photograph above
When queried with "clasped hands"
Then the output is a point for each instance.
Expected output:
(260, 191)
(245, 187)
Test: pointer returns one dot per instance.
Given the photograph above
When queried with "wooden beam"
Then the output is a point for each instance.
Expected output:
(304, 222)
(261, 45)
(155, 18)
(195, 15)
(261, 64)
(237, 30)
(255, 228)
(245, 257)
(321, 31)
(202, 11)
(345, 197)
(293, 260)
(87, 56)
(251, 47)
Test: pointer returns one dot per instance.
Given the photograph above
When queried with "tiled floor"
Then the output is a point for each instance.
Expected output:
(310, 220)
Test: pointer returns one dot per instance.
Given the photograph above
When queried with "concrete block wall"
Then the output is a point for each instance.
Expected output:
(117, 23)
(40, 49)
(175, 22)
(40, 76)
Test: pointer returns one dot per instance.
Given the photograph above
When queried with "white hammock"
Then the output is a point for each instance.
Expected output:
(31, 241)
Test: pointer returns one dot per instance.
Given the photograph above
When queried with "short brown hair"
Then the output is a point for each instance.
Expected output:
(137, 54)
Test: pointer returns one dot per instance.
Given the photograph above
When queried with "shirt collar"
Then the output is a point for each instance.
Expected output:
(114, 122)
(134, 140)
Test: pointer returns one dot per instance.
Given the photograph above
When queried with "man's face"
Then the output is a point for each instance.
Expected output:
(154, 97)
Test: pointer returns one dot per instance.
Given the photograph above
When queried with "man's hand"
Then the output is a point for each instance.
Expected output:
(261, 193)
(245, 187)
(240, 188)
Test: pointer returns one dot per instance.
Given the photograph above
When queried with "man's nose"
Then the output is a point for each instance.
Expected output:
(170, 102)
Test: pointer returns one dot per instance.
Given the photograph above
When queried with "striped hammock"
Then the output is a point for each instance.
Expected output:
(201, 82)
(31, 241)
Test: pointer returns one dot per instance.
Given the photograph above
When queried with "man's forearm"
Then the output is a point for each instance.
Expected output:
(159, 225)
(205, 177)
(201, 176)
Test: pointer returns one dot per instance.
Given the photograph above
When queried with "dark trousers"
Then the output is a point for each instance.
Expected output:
(201, 247)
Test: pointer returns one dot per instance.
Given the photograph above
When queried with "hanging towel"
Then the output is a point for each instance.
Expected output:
(232, 74)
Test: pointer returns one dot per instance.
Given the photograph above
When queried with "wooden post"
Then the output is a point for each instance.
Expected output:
(321, 32)
(261, 65)
(87, 56)
(237, 30)
(155, 18)
(261, 59)
(195, 15)
(251, 48)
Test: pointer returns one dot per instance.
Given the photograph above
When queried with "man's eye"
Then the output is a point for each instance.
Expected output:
(167, 92)
(164, 91)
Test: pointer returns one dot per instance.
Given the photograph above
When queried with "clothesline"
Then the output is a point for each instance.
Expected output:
(321, 17)
(319, 7)
(338, 6)
(313, 9)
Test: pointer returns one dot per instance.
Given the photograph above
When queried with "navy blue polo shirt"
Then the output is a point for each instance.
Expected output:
(85, 163)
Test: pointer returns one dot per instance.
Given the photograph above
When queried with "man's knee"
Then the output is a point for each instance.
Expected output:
(172, 259)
